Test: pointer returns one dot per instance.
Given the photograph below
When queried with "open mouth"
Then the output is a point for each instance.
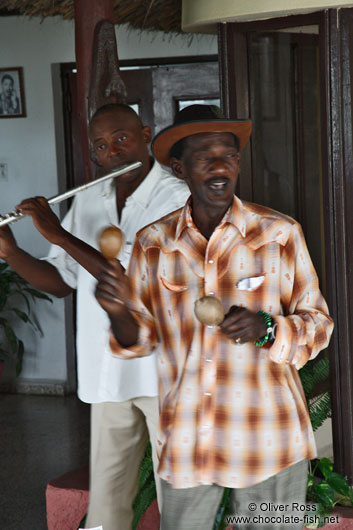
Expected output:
(217, 184)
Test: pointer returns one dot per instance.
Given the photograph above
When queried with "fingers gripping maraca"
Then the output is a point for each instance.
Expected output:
(112, 288)
(239, 324)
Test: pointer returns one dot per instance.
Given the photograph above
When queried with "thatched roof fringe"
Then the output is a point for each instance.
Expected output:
(164, 15)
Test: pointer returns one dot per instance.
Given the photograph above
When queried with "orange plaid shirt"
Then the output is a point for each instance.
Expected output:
(231, 414)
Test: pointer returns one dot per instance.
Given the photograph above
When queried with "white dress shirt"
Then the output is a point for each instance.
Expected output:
(101, 377)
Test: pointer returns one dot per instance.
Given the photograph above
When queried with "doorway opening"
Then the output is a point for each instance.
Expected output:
(157, 89)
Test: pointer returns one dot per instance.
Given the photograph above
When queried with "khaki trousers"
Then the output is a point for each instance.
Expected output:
(119, 434)
(195, 508)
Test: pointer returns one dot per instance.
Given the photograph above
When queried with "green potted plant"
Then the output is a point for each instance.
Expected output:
(13, 288)
(326, 490)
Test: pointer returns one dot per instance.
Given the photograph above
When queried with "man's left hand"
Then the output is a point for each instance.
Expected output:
(44, 219)
(242, 325)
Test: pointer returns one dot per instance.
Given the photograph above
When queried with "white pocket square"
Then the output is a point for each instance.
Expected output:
(249, 284)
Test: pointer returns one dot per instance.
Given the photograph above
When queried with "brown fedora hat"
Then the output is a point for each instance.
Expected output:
(197, 119)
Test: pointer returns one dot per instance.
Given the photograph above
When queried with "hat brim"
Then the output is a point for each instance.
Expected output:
(165, 139)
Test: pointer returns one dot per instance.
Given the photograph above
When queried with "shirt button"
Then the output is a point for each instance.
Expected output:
(208, 394)
(210, 261)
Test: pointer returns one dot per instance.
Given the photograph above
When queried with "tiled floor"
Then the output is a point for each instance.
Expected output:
(40, 438)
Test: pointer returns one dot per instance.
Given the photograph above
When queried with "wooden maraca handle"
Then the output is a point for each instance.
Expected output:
(110, 242)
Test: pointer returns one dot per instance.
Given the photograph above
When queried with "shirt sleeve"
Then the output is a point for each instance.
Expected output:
(141, 306)
(61, 260)
(305, 327)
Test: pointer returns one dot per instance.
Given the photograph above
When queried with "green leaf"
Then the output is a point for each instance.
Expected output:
(11, 337)
(35, 327)
(312, 518)
(3, 299)
(146, 471)
(20, 353)
(3, 354)
(324, 494)
(146, 467)
(83, 522)
(319, 409)
(23, 316)
(12, 286)
(314, 376)
(338, 483)
(223, 510)
(142, 502)
(313, 373)
(20, 293)
(37, 294)
(311, 481)
(314, 524)
(318, 514)
(326, 467)
(146, 486)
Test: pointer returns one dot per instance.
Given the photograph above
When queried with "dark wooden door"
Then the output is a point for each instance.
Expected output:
(285, 148)
(300, 102)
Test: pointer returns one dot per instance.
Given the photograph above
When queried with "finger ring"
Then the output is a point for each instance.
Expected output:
(237, 341)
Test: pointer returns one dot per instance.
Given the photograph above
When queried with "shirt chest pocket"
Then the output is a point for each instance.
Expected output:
(250, 284)
(173, 287)
(250, 292)
(176, 276)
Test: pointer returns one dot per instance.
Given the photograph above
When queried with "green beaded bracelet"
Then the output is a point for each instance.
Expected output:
(269, 324)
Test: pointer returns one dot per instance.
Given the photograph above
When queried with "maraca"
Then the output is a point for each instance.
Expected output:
(209, 311)
(110, 242)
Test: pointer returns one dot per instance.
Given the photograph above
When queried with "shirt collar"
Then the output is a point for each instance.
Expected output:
(142, 194)
(234, 215)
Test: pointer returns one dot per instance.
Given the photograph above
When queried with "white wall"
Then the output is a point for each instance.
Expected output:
(28, 146)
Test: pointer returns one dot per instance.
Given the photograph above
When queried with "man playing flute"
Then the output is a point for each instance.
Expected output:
(232, 408)
(123, 395)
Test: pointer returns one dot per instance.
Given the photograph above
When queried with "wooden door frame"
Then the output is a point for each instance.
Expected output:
(336, 72)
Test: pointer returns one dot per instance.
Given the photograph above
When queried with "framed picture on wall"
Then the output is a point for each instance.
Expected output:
(12, 98)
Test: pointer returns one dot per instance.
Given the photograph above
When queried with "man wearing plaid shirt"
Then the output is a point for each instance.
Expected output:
(232, 409)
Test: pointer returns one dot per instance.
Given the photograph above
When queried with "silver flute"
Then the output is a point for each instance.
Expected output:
(16, 215)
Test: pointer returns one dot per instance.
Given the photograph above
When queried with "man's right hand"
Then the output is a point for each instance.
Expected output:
(44, 219)
(8, 243)
(112, 290)
(112, 293)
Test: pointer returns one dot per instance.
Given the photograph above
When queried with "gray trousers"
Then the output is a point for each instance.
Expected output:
(276, 503)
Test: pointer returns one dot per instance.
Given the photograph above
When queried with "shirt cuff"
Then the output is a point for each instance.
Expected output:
(140, 349)
(289, 346)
